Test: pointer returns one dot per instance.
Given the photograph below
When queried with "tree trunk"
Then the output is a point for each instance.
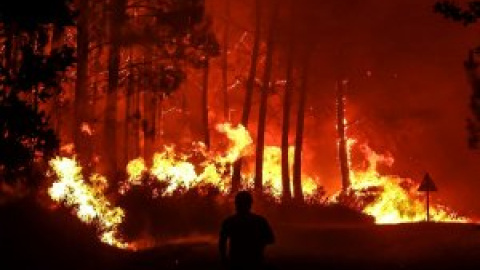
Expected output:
(342, 138)
(136, 122)
(117, 13)
(8, 50)
(153, 134)
(206, 132)
(81, 83)
(147, 102)
(160, 123)
(287, 104)
(297, 165)
(56, 40)
(226, 32)
(247, 105)
(94, 119)
(128, 112)
(262, 116)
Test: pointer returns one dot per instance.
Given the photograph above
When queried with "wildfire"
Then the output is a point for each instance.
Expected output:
(240, 139)
(272, 173)
(391, 199)
(87, 199)
(178, 172)
(135, 169)
(173, 168)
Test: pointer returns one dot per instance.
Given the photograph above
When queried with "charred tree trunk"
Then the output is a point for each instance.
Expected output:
(247, 105)
(473, 122)
(136, 121)
(287, 104)
(56, 40)
(128, 112)
(342, 138)
(262, 116)
(226, 32)
(206, 132)
(147, 102)
(297, 164)
(117, 13)
(94, 119)
(153, 134)
(8, 50)
(160, 123)
(81, 83)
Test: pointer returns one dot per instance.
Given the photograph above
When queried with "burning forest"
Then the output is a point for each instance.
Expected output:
(142, 119)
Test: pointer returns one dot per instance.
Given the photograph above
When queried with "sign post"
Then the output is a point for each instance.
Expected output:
(427, 186)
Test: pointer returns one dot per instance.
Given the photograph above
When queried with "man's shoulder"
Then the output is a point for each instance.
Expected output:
(239, 218)
(259, 217)
(256, 216)
(229, 220)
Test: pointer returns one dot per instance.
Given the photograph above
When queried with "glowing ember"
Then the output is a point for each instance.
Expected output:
(88, 200)
(85, 128)
(68, 148)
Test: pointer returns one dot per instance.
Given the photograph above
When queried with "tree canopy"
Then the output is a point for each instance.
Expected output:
(31, 72)
(467, 15)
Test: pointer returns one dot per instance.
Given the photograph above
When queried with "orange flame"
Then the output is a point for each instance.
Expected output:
(177, 171)
(392, 199)
(87, 199)
(272, 173)
(389, 199)
(171, 167)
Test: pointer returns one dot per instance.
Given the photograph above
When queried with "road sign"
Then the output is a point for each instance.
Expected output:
(427, 186)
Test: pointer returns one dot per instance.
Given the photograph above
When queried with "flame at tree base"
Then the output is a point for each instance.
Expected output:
(389, 199)
(88, 199)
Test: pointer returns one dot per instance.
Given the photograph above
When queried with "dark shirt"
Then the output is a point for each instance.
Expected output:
(248, 234)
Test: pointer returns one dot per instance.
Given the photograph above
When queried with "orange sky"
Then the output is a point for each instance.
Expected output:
(414, 104)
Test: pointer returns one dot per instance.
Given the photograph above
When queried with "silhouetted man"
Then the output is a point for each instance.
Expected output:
(248, 234)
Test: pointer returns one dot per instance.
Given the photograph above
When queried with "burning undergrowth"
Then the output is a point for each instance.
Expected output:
(391, 199)
(187, 190)
(196, 177)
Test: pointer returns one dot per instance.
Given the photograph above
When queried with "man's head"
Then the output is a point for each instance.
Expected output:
(243, 202)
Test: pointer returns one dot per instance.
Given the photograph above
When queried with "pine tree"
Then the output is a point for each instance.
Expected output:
(467, 16)
(31, 72)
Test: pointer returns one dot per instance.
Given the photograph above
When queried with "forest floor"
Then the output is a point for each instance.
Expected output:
(37, 238)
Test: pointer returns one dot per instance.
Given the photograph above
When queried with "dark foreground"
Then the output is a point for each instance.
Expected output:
(38, 240)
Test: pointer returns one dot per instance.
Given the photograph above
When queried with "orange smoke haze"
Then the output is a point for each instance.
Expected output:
(407, 101)
(407, 91)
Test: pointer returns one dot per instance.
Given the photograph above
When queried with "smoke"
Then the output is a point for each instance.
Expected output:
(407, 92)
